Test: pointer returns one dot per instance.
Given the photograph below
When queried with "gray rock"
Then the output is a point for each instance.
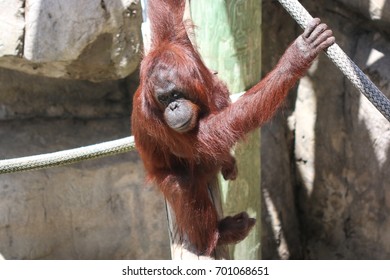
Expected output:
(12, 27)
(87, 40)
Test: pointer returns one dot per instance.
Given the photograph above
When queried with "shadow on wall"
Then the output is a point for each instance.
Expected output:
(326, 155)
(281, 237)
(345, 207)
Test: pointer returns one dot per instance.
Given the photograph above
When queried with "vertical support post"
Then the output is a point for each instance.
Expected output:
(181, 248)
(228, 35)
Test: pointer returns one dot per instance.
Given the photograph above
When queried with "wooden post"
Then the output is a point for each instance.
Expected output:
(181, 249)
(228, 36)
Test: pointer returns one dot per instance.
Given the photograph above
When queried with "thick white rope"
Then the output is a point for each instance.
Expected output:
(67, 157)
(343, 62)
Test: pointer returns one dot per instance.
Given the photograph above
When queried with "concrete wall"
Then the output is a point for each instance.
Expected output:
(325, 157)
(100, 209)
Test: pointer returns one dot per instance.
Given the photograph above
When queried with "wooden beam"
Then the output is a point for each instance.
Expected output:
(228, 35)
(181, 248)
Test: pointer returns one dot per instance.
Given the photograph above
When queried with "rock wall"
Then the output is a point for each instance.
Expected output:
(88, 40)
(99, 209)
(326, 155)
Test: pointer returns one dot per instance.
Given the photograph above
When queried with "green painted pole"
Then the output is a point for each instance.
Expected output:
(228, 35)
